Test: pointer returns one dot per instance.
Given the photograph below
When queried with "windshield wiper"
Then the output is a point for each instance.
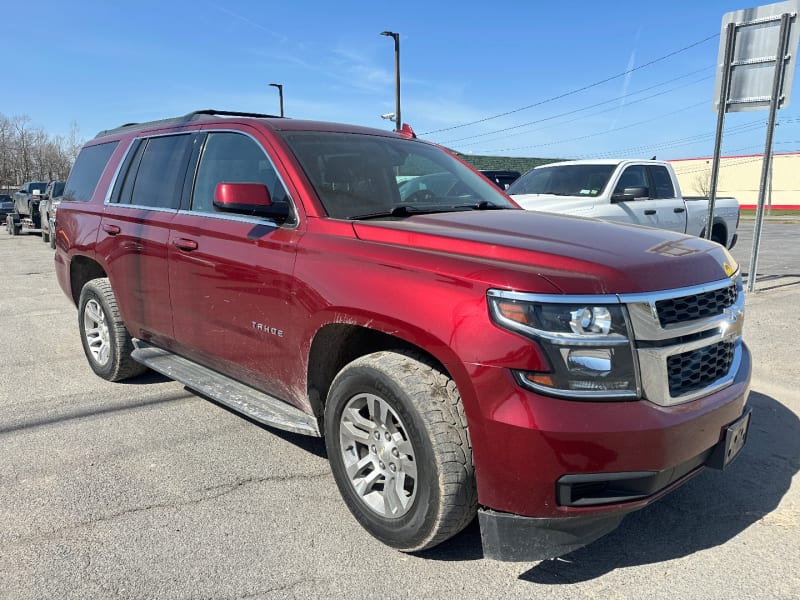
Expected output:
(402, 210)
(405, 210)
(482, 205)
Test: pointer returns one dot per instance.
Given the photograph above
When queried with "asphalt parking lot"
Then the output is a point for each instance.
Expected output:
(146, 490)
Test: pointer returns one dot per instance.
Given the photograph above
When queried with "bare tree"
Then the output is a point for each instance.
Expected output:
(29, 153)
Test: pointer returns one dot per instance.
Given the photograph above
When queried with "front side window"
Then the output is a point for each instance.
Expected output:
(633, 177)
(233, 158)
(367, 176)
(86, 171)
(159, 179)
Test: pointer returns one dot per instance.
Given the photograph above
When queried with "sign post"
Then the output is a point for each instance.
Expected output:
(751, 78)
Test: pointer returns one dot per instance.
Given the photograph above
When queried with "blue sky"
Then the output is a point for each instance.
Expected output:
(101, 64)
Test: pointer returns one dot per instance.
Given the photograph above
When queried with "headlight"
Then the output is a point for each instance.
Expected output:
(586, 339)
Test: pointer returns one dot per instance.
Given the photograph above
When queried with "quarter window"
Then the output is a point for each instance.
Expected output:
(86, 172)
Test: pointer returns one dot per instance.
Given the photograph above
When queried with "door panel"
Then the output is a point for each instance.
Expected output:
(231, 273)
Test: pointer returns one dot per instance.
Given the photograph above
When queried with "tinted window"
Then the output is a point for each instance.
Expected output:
(58, 189)
(635, 176)
(233, 158)
(662, 182)
(159, 180)
(564, 180)
(86, 171)
(123, 188)
(358, 175)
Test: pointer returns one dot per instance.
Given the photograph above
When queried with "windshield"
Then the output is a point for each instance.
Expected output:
(368, 176)
(564, 180)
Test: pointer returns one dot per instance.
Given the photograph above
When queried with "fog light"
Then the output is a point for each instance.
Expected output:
(596, 363)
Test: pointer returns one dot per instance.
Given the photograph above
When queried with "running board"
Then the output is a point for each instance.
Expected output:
(240, 397)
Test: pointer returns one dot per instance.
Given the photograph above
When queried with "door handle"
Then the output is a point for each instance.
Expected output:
(679, 209)
(111, 229)
(650, 211)
(184, 244)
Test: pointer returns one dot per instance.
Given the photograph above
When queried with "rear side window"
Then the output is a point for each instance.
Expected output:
(86, 172)
(159, 179)
(662, 182)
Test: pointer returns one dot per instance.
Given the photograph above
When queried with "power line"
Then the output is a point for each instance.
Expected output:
(578, 90)
(637, 101)
(606, 132)
(591, 106)
(653, 148)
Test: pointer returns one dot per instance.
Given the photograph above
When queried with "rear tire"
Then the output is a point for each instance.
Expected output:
(106, 342)
(44, 224)
(399, 450)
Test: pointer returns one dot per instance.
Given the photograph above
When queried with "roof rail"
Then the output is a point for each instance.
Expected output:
(188, 117)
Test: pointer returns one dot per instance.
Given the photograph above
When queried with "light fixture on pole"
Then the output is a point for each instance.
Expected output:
(280, 93)
(396, 37)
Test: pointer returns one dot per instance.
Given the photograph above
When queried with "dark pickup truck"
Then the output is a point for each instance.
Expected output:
(460, 355)
(26, 207)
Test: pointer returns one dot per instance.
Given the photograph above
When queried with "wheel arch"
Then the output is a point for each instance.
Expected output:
(83, 269)
(336, 344)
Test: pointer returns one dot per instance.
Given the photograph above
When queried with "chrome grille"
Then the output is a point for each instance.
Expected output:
(695, 306)
(688, 341)
(697, 369)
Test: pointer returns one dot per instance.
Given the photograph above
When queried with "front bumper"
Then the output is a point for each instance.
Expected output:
(555, 475)
(509, 537)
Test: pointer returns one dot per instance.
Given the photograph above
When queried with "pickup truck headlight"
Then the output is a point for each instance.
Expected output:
(587, 340)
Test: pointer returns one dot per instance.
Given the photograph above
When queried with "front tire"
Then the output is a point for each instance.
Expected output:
(399, 450)
(106, 342)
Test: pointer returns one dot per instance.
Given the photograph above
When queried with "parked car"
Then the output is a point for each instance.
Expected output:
(502, 179)
(6, 206)
(643, 192)
(459, 355)
(47, 210)
(26, 207)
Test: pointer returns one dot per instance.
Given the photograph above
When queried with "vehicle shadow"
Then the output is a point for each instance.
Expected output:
(312, 445)
(708, 511)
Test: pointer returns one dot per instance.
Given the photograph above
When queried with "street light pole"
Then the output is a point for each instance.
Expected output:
(280, 93)
(396, 36)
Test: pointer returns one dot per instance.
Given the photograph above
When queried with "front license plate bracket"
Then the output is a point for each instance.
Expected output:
(733, 440)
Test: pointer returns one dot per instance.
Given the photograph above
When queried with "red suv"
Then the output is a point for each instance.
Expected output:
(459, 355)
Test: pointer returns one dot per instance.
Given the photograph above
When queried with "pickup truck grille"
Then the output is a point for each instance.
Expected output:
(688, 341)
(695, 306)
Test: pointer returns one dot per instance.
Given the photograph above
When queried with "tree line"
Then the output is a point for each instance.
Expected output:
(29, 153)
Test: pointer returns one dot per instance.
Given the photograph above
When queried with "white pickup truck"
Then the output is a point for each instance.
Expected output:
(645, 192)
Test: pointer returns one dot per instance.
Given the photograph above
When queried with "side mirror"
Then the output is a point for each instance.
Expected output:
(248, 199)
(631, 193)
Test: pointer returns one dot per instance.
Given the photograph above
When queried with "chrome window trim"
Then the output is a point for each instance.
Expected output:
(230, 216)
(293, 204)
(113, 184)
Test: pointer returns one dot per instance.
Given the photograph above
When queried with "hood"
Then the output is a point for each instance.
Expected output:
(576, 255)
(552, 203)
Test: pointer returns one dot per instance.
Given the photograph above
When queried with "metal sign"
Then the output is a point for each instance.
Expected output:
(756, 33)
